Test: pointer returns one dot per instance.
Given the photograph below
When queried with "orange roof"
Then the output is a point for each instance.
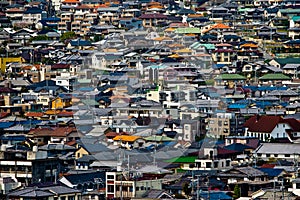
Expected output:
(220, 26)
(51, 112)
(195, 15)
(249, 45)
(162, 38)
(155, 6)
(126, 138)
(175, 45)
(34, 114)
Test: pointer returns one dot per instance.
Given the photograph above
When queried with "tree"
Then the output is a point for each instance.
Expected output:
(67, 36)
(39, 37)
(186, 189)
(236, 192)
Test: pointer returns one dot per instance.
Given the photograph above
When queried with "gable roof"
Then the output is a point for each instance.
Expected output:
(277, 76)
(262, 124)
(271, 171)
(82, 178)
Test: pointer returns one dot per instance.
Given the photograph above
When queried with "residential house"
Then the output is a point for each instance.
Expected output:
(58, 135)
(278, 151)
(244, 177)
(229, 80)
(223, 54)
(129, 141)
(49, 192)
(85, 181)
(61, 102)
(294, 27)
(33, 15)
(152, 20)
(25, 164)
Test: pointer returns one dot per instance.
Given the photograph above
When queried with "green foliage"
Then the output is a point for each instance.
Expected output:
(38, 38)
(210, 82)
(97, 38)
(67, 36)
(236, 192)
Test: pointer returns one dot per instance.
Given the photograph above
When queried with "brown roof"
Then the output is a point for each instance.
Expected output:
(262, 124)
(52, 132)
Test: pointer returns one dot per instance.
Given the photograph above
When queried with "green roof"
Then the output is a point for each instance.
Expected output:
(230, 77)
(284, 61)
(296, 18)
(209, 46)
(159, 138)
(182, 159)
(289, 10)
(243, 9)
(275, 77)
(90, 102)
(187, 30)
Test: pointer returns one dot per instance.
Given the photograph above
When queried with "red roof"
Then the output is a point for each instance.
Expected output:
(66, 114)
(60, 66)
(4, 114)
(262, 124)
(223, 151)
(268, 166)
(294, 124)
(153, 16)
(7, 90)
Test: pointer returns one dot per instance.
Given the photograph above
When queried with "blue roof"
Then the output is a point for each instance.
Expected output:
(14, 138)
(83, 178)
(42, 84)
(237, 147)
(51, 19)
(215, 195)
(237, 106)
(33, 10)
(30, 122)
(6, 124)
(79, 42)
(271, 172)
(86, 89)
(264, 88)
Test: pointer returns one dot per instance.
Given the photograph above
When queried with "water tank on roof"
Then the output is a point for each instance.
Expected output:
(34, 148)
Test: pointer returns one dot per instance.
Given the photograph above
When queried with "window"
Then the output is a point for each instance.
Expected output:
(71, 198)
(267, 155)
(275, 155)
(110, 188)
(110, 177)
(208, 165)
(287, 155)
